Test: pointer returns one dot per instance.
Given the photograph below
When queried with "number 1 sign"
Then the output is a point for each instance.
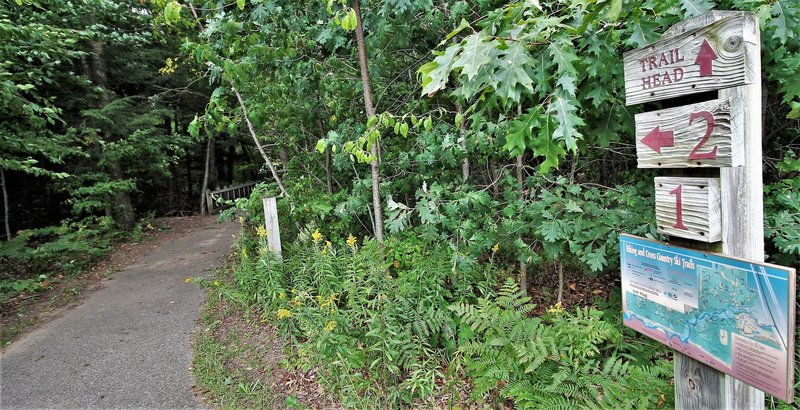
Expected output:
(689, 208)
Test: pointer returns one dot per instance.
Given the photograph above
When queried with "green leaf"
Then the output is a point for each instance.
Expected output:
(172, 12)
(564, 110)
(321, 145)
(194, 127)
(694, 8)
(519, 132)
(240, 4)
(543, 145)
(563, 53)
(435, 73)
(475, 55)
(614, 10)
(512, 74)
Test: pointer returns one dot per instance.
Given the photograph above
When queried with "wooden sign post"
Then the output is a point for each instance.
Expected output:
(271, 223)
(718, 51)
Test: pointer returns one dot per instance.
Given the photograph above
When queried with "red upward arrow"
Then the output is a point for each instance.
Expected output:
(704, 58)
(656, 139)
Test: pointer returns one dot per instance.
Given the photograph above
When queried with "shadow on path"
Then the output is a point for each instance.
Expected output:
(128, 344)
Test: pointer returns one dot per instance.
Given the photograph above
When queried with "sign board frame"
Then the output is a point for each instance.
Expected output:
(673, 283)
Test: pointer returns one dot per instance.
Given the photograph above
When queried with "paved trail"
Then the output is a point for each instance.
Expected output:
(128, 344)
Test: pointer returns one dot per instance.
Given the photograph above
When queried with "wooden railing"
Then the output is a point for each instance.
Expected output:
(216, 200)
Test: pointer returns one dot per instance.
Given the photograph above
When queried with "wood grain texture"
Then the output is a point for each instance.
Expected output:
(271, 222)
(700, 208)
(649, 77)
(726, 137)
(742, 191)
(739, 199)
(697, 386)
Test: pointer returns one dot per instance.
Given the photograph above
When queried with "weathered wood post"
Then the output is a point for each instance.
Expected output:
(271, 222)
(716, 208)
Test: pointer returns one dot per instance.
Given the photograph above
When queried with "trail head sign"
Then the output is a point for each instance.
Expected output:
(709, 58)
(734, 315)
(731, 313)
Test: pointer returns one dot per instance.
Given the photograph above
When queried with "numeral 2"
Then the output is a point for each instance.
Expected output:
(679, 207)
(709, 129)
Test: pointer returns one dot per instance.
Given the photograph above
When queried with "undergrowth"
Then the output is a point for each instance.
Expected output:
(386, 333)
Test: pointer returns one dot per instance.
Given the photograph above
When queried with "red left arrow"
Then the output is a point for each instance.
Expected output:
(656, 139)
(705, 59)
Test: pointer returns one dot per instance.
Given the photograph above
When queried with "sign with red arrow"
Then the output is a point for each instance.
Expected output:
(705, 59)
(656, 139)
(707, 134)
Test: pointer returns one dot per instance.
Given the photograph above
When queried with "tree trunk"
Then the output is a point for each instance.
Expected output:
(560, 281)
(5, 203)
(328, 155)
(205, 207)
(189, 184)
(122, 206)
(462, 132)
(261, 148)
(523, 267)
(370, 109)
(229, 161)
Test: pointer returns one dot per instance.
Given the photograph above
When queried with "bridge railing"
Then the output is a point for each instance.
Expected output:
(216, 200)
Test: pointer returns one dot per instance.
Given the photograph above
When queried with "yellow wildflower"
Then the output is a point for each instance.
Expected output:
(396, 264)
(284, 313)
(281, 296)
(319, 298)
(351, 241)
(330, 326)
(216, 283)
(316, 236)
(556, 309)
(261, 231)
(188, 280)
(329, 300)
(496, 247)
(241, 220)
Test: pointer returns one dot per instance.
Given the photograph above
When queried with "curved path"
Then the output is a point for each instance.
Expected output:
(128, 344)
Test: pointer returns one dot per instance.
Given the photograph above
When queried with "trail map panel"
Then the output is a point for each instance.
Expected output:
(731, 314)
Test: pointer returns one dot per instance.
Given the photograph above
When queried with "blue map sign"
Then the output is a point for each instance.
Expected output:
(734, 315)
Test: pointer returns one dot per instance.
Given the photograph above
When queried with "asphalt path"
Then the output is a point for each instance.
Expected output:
(129, 344)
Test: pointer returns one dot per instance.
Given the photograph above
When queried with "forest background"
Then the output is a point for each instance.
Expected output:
(484, 145)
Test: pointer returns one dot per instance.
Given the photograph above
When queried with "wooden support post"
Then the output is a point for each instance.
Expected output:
(271, 223)
(698, 386)
(717, 51)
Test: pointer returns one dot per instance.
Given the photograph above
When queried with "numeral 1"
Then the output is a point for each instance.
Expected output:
(679, 207)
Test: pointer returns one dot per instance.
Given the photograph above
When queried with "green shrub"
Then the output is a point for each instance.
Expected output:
(560, 360)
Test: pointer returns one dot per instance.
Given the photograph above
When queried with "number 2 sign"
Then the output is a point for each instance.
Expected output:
(707, 134)
(689, 208)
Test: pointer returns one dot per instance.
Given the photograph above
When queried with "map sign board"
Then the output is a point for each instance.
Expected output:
(734, 315)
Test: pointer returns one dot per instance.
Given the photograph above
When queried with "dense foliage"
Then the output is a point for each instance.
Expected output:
(500, 152)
